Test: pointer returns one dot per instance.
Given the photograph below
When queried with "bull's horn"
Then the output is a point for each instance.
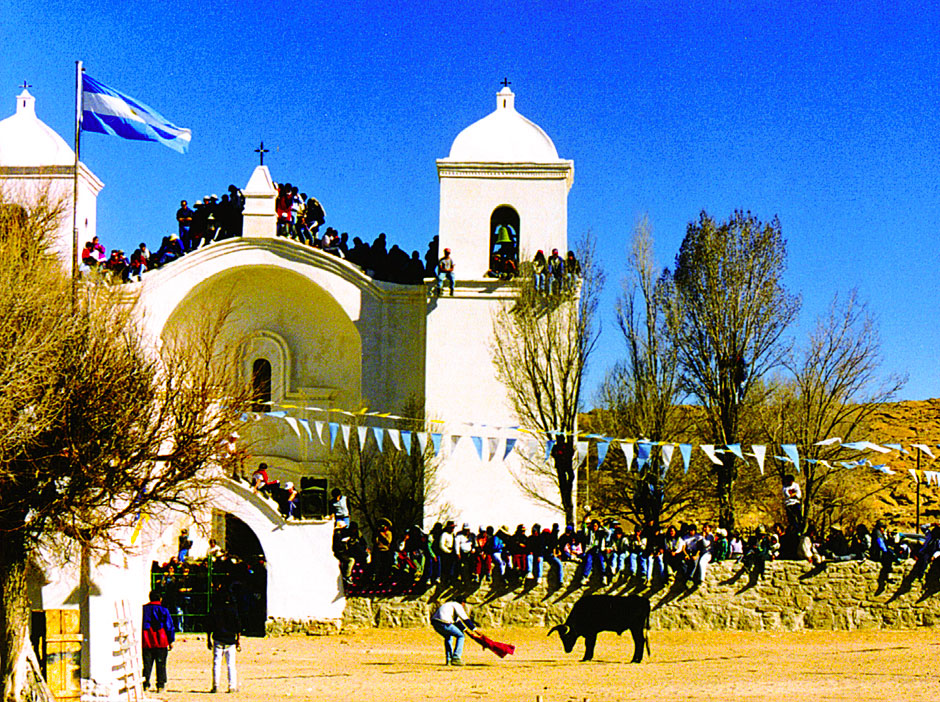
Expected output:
(560, 628)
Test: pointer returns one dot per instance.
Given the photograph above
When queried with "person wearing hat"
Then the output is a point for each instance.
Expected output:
(452, 622)
(445, 271)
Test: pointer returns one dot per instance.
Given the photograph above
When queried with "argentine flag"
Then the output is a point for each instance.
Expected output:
(108, 111)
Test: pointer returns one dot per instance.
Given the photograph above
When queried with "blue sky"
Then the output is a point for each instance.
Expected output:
(826, 117)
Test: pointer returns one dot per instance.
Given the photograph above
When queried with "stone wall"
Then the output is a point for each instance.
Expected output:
(791, 596)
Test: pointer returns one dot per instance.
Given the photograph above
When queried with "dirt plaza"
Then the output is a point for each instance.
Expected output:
(406, 664)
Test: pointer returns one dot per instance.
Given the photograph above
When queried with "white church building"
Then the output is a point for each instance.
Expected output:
(334, 340)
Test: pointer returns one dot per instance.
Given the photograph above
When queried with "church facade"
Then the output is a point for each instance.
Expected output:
(333, 341)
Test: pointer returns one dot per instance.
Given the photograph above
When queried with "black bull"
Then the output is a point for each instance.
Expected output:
(595, 613)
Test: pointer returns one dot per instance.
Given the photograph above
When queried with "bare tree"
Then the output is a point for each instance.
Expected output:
(834, 389)
(542, 345)
(641, 393)
(390, 484)
(94, 424)
(728, 310)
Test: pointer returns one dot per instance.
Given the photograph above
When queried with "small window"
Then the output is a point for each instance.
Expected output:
(261, 385)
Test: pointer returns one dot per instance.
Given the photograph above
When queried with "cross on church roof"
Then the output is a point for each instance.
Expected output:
(25, 85)
(261, 151)
(505, 83)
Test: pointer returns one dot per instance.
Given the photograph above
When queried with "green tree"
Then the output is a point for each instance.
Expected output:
(542, 345)
(94, 424)
(728, 310)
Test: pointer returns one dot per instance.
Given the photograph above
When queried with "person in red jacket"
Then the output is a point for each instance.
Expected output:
(157, 635)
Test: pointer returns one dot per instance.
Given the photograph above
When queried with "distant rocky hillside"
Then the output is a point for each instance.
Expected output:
(902, 423)
(906, 423)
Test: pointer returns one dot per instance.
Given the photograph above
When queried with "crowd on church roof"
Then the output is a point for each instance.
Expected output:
(298, 217)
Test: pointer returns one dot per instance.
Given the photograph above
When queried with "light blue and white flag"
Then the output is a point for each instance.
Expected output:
(108, 111)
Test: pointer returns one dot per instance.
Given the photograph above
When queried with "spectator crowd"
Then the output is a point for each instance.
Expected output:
(601, 551)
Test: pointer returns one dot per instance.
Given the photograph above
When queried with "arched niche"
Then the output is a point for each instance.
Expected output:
(265, 359)
(504, 234)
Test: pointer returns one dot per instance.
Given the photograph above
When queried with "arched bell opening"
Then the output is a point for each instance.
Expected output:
(504, 238)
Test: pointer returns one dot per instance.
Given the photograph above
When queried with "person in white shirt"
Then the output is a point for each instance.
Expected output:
(451, 621)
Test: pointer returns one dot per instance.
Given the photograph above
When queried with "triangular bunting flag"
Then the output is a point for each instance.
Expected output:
(478, 445)
(668, 450)
(306, 425)
(406, 440)
(510, 443)
(292, 423)
(829, 442)
(492, 444)
(395, 436)
(582, 452)
(602, 447)
(627, 449)
(549, 445)
(923, 448)
(686, 451)
(436, 440)
(913, 474)
(792, 454)
(379, 434)
(334, 427)
(278, 414)
(345, 428)
(361, 432)
(759, 453)
(423, 442)
(642, 454)
(318, 430)
(709, 450)
(736, 450)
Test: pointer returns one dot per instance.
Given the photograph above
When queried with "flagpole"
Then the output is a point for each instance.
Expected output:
(78, 132)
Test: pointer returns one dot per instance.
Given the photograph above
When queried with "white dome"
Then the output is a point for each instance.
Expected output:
(503, 136)
(26, 141)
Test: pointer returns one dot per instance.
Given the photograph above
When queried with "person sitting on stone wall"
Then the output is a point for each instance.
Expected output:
(539, 266)
(445, 272)
(555, 271)
(572, 271)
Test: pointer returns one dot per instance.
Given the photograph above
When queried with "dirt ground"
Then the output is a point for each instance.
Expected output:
(407, 664)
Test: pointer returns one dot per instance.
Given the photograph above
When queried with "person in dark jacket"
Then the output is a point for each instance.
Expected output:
(224, 639)
(157, 635)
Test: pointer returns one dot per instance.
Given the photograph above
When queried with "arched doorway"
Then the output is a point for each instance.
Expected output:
(504, 236)
(242, 572)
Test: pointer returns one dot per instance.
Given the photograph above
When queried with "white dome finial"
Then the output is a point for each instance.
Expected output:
(505, 99)
(25, 103)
